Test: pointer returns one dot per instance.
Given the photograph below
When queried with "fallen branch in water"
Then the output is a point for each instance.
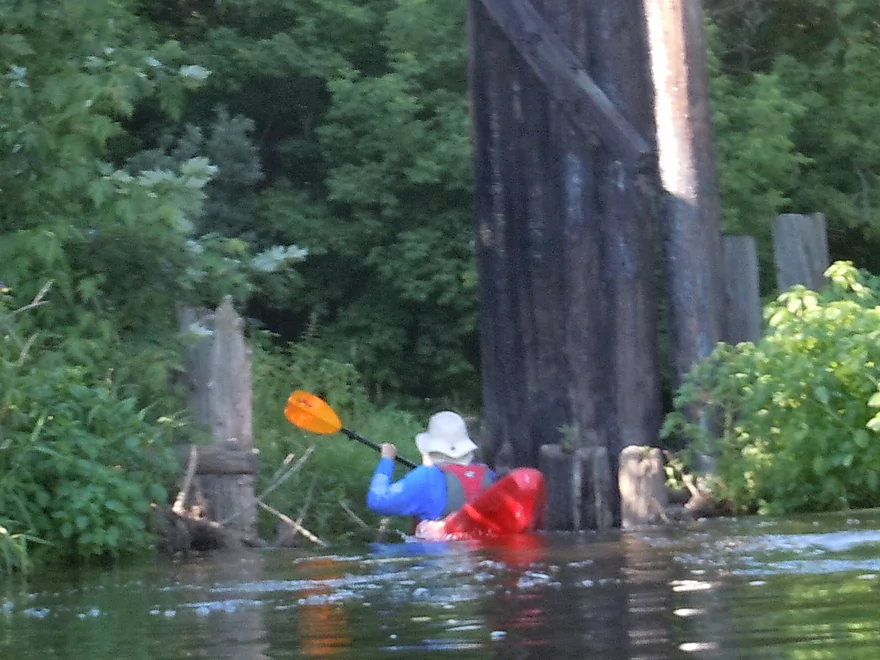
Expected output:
(353, 515)
(290, 521)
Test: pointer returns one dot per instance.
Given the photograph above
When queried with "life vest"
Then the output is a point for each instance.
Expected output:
(463, 484)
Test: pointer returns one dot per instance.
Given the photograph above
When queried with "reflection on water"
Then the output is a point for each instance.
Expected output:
(794, 588)
(322, 623)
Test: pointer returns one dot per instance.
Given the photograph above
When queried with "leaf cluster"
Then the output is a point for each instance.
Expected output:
(790, 423)
(357, 110)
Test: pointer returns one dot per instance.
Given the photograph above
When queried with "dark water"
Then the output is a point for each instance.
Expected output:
(751, 588)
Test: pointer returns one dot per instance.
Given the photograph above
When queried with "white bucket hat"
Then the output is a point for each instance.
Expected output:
(447, 434)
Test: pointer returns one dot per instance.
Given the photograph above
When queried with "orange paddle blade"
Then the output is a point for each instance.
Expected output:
(310, 412)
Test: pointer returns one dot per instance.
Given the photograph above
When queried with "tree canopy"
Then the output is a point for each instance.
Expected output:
(180, 140)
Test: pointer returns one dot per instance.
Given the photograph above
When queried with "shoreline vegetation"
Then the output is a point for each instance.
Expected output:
(313, 161)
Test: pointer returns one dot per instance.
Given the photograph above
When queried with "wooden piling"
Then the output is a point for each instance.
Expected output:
(742, 295)
(800, 245)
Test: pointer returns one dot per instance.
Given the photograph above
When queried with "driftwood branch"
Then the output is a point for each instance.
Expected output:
(307, 503)
(5, 321)
(290, 521)
(353, 515)
(384, 524)
(180, 503)
(36, 302)
(277, 480)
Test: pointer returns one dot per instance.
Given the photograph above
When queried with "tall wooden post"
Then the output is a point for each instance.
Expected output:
(219, 371)
(691, 222)
(800, 245)
(742, 292)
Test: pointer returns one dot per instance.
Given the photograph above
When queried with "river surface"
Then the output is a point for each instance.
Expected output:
(805, 587)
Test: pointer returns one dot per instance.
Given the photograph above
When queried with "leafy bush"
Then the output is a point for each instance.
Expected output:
(80, 464)
(86, 463)
(790, 423)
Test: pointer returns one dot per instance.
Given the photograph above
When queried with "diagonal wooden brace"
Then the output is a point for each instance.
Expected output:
(565, 77)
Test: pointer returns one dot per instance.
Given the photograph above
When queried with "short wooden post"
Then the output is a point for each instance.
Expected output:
(598, 499)
(579, 488)
(742, 294)
(800, 244)
(642, 483)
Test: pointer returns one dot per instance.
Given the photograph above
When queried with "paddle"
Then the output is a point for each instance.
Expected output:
(311, 413)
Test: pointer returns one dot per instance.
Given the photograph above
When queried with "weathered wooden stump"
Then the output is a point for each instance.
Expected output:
(642, 482)
(219, 373)
(800, 244)
(579, 488)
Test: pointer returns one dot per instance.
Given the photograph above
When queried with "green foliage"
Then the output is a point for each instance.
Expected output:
(80, 464)
(217, 256)
(790, 423)
(85, 430)
(813, 82)
(115, 243)
(93, 464)
(359, 112)
(399, 156)
(124, 245)
(14, 555)
(838, 84)
(753, 120)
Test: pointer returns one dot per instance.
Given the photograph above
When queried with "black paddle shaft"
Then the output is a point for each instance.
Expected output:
(369, 443)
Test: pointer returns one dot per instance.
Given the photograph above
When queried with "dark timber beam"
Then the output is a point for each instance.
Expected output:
(565, 78)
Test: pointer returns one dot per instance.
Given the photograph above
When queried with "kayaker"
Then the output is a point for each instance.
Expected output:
(444, 482)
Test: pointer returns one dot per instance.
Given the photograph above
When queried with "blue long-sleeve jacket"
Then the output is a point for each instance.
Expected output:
(420, 493)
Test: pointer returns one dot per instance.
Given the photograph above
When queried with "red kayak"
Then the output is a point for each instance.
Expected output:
(512, 505)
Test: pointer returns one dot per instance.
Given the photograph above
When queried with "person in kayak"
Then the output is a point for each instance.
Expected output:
(443, 483)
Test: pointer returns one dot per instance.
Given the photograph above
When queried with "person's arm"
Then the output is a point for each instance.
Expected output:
(401, 498)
